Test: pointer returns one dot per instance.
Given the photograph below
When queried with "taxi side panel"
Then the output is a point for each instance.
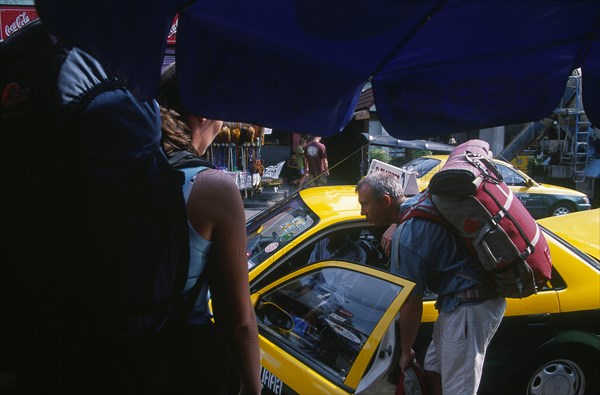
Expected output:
(282, 374)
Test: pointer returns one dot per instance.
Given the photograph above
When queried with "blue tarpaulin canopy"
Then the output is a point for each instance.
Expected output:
(436, 67)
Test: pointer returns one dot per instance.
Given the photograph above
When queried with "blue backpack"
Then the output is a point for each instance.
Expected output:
(96, 245)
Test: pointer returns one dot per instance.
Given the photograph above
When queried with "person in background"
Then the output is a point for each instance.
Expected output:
(316, 160)
(431, 256)
(217, 261)
(301, 161)
(292, 171)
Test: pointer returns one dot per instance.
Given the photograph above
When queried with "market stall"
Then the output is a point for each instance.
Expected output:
(236, 151)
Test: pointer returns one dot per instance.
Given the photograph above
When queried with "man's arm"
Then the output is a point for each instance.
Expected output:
(410, 321)
(386, 239)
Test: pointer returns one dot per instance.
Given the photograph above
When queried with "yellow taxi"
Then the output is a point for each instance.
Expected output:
(327, 323)
(541, 200)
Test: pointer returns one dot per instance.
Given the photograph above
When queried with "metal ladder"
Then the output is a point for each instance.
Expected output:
(576, 127)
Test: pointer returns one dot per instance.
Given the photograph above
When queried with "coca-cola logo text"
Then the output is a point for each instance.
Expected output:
(173, 30)
(21, 20)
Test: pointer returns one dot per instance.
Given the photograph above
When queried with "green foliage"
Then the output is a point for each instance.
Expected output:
(380, 155)
(421, 152)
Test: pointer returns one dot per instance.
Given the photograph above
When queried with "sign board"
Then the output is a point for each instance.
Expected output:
(407, 179)
(13, 19)
(172, 37)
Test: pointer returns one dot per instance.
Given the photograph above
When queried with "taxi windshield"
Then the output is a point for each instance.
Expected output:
(276, 228)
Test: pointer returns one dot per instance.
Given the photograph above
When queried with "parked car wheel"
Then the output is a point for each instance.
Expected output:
(561, 208)
(559, 372)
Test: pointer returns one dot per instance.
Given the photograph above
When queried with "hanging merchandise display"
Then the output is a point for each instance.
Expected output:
(236, 151)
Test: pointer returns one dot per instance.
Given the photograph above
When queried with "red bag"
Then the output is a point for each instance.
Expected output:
(470, 194)
(412, 382)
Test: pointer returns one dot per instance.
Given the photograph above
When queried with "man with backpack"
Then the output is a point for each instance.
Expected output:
(96, 249)
(432, 255)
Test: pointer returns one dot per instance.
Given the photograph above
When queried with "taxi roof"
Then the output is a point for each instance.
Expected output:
(330, 202)
(581, 229)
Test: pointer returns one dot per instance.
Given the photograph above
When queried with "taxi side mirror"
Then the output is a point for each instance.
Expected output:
(530, 183)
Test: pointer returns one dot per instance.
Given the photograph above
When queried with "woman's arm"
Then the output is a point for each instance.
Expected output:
(216, 212)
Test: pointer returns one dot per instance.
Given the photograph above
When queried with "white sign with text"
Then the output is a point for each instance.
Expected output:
(407, 179)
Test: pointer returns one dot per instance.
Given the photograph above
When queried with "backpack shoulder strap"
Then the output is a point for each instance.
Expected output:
(177, 157)
(424, 208)
(184, 159)
(394, 258)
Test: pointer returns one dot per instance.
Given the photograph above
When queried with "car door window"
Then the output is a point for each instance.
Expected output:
(357, 242)
(511, 177)
(353, 244)
(334, 311)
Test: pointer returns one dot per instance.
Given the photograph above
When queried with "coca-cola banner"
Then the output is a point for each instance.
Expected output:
(14, 18)
(173, 31)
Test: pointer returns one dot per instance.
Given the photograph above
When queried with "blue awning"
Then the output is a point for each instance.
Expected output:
(436, 67)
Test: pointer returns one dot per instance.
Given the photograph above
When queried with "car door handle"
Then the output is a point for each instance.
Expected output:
(539, 319)
(384, 352)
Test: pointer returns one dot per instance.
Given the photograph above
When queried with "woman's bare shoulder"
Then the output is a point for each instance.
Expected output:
(217, 185)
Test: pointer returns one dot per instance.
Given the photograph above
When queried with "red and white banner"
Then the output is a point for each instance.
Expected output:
(14, 18)
(172, 37)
